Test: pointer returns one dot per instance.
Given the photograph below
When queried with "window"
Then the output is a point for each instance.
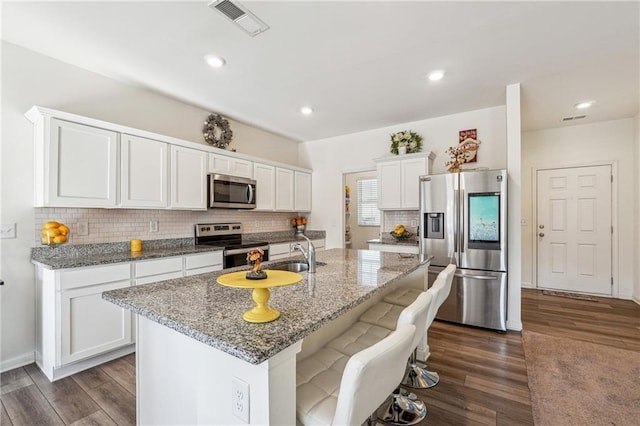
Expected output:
(368, 213)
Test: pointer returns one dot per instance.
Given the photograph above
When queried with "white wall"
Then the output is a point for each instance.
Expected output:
(330, 158)
(636, 280)
(28, 79)
(610, 141)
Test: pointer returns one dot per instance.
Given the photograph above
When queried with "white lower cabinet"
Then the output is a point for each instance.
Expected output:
(75, 328)
(151, 271)
(202, 263)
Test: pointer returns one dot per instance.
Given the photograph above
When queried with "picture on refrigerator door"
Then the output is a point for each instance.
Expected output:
(484, 221)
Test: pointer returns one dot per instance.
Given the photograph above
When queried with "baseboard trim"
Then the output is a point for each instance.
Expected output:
(526, 285)
(19, 361)
(514, 325)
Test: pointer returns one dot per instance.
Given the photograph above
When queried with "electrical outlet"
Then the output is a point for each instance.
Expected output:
(414, 223)
(8, 230)
(153, 226)
(83, 228)
(240, 399)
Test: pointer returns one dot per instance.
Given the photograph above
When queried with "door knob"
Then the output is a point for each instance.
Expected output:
(541, 234)
(541, 226)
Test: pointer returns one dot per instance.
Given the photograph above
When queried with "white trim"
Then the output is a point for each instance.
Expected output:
(19, 361)
(615, 257)
(525, 284)
(514, 325)
(344, 213)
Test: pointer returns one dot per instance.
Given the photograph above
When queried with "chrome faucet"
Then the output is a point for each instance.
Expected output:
(309, 256)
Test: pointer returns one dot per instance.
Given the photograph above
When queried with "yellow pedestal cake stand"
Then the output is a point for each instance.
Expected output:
(261, 294)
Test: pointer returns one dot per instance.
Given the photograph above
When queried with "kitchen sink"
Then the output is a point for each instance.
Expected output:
(292, 266)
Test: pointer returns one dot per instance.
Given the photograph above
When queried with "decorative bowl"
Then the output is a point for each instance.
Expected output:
(402, 236)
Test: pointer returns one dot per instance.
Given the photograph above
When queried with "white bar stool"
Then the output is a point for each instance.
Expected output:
(335, 389)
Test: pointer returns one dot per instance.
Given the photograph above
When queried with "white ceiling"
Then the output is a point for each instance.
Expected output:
(360, 65)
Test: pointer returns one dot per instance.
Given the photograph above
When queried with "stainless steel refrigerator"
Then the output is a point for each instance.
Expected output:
(463, 220)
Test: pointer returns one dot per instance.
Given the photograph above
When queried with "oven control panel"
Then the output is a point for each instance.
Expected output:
(212, 229)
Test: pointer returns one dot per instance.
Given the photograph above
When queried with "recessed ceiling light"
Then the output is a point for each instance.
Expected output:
(306, 110)
(585, 104)
(436, 75)
(215, 61)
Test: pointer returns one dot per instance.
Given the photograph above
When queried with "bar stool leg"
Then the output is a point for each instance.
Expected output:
(400, 410)
(418, 377)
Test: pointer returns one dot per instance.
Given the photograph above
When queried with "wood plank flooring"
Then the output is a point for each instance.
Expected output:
(483, 378)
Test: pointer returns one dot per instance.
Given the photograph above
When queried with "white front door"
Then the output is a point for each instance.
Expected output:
(574, 229)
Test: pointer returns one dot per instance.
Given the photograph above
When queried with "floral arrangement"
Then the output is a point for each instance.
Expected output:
(409, 139)
(461, 154)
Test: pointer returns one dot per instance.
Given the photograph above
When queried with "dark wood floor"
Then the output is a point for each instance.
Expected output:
(483, 378)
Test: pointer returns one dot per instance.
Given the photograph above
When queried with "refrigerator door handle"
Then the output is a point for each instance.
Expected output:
(461, 221)
(456, 215)
(477, 277)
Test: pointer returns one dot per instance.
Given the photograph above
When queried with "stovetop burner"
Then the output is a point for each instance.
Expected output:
(227, 235)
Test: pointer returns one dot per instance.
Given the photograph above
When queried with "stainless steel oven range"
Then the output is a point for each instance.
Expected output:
(229, 237)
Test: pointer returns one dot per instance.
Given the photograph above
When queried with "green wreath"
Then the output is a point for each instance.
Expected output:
(217, 132)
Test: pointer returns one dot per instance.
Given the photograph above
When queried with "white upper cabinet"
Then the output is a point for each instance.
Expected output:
(302, 197)
(144, 172)
(284, 189)
(231, 166)
(398, 180)
(78, 163)
(188, 178)
(265, 177)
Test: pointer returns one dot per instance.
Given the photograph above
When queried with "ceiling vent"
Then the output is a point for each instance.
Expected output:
(241, 16)
(575, 117)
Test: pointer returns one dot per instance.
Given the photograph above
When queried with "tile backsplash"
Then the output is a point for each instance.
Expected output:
(408, 218)
(106, 226)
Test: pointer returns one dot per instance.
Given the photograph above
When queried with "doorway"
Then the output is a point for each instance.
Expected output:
(357, 234)
(574, 229)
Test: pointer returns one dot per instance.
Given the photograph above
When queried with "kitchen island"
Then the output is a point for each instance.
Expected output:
(194, 349)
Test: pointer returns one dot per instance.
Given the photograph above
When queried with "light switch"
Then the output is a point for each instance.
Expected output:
(8, 230)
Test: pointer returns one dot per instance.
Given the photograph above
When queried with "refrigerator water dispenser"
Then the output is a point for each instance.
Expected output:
(434, 225)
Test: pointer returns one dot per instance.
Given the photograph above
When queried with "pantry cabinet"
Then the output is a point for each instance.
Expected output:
(188, 183)
(144, 172)
(398, 180)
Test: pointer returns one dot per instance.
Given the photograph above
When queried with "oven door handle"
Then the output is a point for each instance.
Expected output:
(244, 250)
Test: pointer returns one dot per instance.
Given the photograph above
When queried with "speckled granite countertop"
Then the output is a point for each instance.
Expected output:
(212, 314)
(393, 241)
(83, 255)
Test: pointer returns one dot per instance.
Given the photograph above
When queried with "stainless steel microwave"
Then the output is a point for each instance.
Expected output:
(231, 192)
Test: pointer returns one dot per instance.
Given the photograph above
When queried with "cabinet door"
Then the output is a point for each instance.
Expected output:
(284, 189)
(389, 185)
(201, 263)
(230, 166)
(82, 166)
(188, 178)
(411, 171)
(144, 171)
(302, 184)
(151, 271)
(279, 251)
(91, 325)
(265, 177)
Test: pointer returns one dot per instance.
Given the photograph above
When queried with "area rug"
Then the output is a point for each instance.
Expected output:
(580, 383)
(569, 295)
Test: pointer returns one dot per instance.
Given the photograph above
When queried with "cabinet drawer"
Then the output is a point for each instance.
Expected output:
(82, 277)
(202, 260)
(157, 267)
(278, 250)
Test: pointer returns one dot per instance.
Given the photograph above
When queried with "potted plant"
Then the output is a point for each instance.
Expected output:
(405, 142)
